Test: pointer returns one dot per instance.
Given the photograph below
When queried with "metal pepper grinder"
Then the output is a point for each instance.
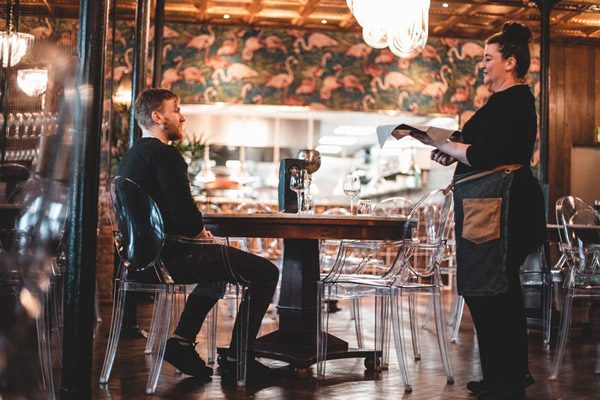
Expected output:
(287, 198)
(312, 163)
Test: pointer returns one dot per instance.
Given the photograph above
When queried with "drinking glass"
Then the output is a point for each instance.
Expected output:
(364, 207)
(297, 184)
(352, 189)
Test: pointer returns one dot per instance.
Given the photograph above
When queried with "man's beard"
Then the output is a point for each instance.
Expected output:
(175, 135)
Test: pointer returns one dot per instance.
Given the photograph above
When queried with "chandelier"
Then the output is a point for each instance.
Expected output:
(13, 46)
(401, 25)
(33, 81)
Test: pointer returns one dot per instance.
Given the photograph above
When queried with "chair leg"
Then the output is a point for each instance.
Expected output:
(548, 297)
(358, 323)
(56, 314)
(429, 309)
(453, 310)
(460, 307)
(161, 344)
(381, 315)
(322, 328)
(597, 370)
(157, 311)
(441, 335)
(113, 337)
(242, 338)
(43, 339)
(547, 312)
(563, 334)
(385, 356)
(211, 335)
(412, 312)
(97, 304)
(398, 330)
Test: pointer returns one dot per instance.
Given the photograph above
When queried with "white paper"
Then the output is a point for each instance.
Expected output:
(438, 135)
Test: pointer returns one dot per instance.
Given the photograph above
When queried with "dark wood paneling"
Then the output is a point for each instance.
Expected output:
(574, 110)
(597, 92)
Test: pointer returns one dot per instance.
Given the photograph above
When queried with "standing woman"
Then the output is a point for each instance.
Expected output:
(499, 137)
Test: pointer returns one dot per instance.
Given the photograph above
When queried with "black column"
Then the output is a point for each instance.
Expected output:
(159, 23)
(83, 213)
(545, 7)
(140, 55)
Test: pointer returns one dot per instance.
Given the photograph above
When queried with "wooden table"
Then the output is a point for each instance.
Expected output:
(295, 341)
(589, 233)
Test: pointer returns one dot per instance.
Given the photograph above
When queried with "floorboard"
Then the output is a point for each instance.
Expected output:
(347, 378)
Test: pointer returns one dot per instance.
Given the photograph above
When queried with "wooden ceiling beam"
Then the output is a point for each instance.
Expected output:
(348, 21)
(254, 8)
(49, 7)
(201, 5)
(305, 11)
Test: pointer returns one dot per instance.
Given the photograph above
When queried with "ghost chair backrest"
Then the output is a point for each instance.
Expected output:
(139, 223)
(393, 206)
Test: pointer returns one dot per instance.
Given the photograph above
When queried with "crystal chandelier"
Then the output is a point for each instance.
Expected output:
(33, 81)
(13, 46)
(401, 25)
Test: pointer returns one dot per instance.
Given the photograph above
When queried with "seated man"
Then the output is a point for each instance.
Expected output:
(161, 170)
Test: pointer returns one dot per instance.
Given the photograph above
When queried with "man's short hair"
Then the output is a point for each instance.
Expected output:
(148, 101)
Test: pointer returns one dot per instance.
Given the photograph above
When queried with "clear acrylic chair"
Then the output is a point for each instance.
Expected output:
(269, 248)
(29, 251)
(328, 253)
(579, 234)
(402, 277)
(141, 237)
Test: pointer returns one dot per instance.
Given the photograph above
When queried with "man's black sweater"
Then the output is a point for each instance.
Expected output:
(161, 170)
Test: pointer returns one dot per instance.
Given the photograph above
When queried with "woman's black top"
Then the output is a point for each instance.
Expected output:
(161, 170)
(503, 132)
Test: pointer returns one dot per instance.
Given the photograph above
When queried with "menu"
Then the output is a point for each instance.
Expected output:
(419, 132)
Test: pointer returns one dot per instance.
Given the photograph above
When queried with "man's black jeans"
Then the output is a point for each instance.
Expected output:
(205, 265)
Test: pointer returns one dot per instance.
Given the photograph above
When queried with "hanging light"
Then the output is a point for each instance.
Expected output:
(409, 37)
(33, 81)
(375, 37)
(400, 24)
(14, 45)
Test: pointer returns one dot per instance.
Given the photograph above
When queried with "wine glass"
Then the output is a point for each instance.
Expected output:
(351, 189)
(297, 184)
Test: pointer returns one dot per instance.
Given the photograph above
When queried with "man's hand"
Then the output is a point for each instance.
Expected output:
(205, 234)
(442, 158)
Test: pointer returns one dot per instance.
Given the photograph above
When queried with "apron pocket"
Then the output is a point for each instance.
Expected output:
(481, 221)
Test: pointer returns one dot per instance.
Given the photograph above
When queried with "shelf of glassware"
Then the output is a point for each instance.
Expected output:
(402, 184)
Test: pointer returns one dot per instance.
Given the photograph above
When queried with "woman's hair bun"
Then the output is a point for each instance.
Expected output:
(517, 31)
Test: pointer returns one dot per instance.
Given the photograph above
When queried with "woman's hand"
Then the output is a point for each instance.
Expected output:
(205, 234)
(442, 158)
(423, 138)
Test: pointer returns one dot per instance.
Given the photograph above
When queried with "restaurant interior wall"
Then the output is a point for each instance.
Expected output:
(574, 118)
(336, 71)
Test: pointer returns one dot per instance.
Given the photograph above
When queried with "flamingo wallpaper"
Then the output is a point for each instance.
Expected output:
(323, 70)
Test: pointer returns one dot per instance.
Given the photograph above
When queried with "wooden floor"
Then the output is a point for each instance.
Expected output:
(348, 379)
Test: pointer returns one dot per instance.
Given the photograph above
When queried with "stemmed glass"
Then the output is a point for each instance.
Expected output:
(352, 189)
(297, 184)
